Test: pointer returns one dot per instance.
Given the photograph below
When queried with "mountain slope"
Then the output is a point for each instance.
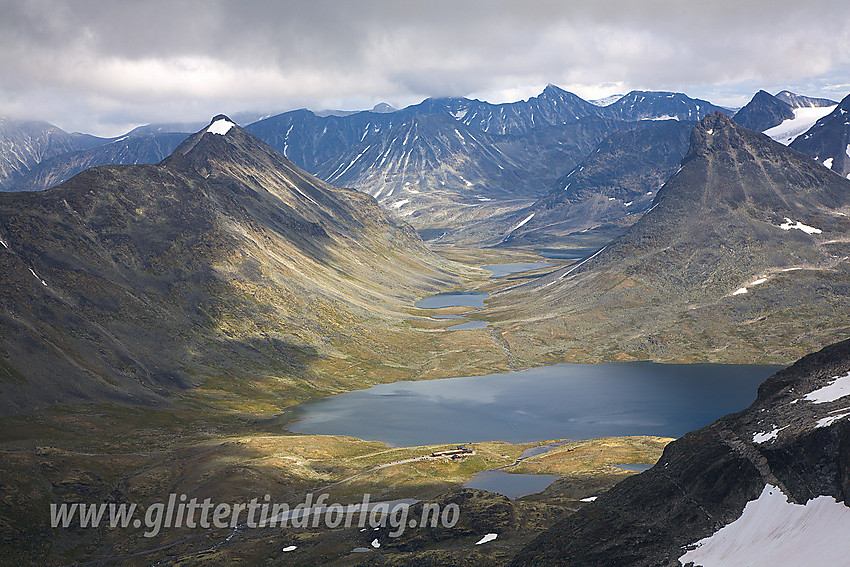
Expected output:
(554, 106)
(802, 101)
(310, 140)
(828, 140)
(24, 144)
(224, 262)
(763, 111)
(435, 172)
(618, 179)
(743, 249)
(655, 105)
(766, 486)
(131, 149)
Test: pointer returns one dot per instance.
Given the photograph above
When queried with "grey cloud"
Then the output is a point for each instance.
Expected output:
(88, 62)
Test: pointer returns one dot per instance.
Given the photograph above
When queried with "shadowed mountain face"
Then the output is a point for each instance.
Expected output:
(618, 180)
(764, 111)
(792, 444)
(828, 141)
(743, 246)
(133, 282)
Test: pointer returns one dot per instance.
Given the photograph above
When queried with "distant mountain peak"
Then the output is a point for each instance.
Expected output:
(764, 111)
(383, 108)
(801, 101)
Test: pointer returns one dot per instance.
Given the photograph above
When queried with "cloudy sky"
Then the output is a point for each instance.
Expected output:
(106, 66)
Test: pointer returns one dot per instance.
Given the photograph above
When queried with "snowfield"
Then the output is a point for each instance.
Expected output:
(804, 118)
(773, 532)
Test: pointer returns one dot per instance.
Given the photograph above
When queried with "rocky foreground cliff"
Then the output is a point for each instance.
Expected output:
(765, 486)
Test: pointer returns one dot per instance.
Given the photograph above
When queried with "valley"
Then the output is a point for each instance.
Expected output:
(448, 291)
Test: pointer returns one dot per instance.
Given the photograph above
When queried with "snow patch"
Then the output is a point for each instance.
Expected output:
(773, 532)
(38, 277)
(804, 118)
(740, 291)
(759, 281)
(838, 388)
(486, 538)
(589, 499)
(400, 204)
(764, 436)
(789, 224)
(827, 163)
(375, 543)
(289, 548)
(528, 218)
(829, 420)
(220, 127)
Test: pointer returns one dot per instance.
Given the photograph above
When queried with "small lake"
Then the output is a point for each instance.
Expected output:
(510, 485)
(564, 401)
(502, 270)
(453, 299)
(636, 467)
(566, 253)
(468, 325)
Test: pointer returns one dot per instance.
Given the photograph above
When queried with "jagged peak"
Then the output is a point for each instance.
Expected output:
(713, 133)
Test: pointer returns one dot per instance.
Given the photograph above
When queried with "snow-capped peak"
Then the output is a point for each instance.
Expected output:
(221, 126)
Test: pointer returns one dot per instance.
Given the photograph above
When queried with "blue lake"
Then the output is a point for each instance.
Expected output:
(566, 253)
(510, 485)
(502, 270)
(564, 401)
(468, 325)
(453, 299)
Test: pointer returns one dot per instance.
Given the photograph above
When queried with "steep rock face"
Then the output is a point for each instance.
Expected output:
(737, 242)
(619, 178)
(763, 111)
(132, 282)
(794, 439)
(828, 141)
